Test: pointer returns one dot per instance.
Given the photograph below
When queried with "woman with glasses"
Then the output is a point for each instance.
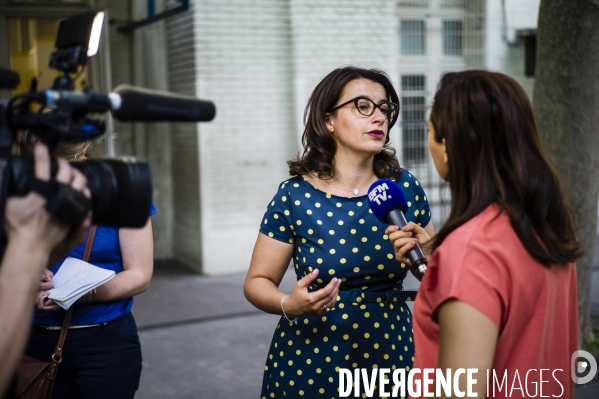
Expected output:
(504, 259)
(102, 352)
(347, 309)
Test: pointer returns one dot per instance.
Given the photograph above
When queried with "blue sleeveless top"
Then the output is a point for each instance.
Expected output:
(106, 253)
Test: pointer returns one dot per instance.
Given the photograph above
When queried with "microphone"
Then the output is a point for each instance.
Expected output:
(8, 79)
(152, 106)
(388, 204)
(136, 105)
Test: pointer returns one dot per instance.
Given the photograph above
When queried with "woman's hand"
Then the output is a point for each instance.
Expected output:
(403, 240)
(303, 303)
(45, 303)
(46, 282)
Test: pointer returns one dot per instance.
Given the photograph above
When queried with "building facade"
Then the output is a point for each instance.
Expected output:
(258, 61)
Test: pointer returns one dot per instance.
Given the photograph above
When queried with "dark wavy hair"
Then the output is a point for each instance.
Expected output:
(319, 144)
(495, 155)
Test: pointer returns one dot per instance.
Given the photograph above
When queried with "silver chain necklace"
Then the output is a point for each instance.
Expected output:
(355, 191)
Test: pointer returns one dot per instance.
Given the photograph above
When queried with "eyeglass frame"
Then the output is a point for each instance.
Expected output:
(355, 101)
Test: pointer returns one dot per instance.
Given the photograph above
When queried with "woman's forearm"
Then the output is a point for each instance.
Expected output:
(264, 294)
(125, 284)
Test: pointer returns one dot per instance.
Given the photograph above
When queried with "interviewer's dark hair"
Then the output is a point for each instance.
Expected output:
(318, 142)
(495, 156)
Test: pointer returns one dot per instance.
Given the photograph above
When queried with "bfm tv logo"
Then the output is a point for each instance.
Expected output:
(379, 193)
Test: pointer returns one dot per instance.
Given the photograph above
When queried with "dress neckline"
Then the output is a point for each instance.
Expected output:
(332, 195)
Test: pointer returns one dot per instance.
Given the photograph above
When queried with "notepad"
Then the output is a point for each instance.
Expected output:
(74, 279)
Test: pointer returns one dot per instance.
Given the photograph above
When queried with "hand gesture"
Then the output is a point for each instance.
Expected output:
(303, 303)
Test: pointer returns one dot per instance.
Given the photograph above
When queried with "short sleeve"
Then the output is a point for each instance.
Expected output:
(477, 278)
(153, 209)
(418, 209)
(277, 222)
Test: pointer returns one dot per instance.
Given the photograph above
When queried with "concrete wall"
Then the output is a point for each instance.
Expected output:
(139, 59)
(185, 175)
(152, 141)
(243, 58)
(327, 35)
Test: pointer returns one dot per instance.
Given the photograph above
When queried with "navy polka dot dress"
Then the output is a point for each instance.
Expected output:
(370, 325)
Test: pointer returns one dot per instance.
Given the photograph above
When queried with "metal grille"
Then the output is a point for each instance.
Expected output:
(413, 3)
(413, 119)
(452, 38)
(453, 3)
(413, 37)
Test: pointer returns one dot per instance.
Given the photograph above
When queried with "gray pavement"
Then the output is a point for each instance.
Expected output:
(201, 339)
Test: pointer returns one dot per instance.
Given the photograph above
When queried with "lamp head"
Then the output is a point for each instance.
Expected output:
(78, 38)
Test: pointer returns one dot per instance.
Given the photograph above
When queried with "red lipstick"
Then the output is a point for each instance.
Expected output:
(377, 134)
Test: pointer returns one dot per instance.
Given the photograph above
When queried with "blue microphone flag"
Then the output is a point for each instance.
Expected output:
(384, 196)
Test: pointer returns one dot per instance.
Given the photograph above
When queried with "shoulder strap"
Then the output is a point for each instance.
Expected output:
(57, 356)
(90, 243)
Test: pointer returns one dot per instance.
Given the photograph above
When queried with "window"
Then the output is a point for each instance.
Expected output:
(413, 119)
(413, 37)
(413, 3)
(452, 38)
(453, 3)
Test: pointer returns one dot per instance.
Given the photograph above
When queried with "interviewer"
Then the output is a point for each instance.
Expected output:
(500, 290)
(35, 239)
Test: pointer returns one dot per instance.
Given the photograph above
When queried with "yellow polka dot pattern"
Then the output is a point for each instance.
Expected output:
(348, 243)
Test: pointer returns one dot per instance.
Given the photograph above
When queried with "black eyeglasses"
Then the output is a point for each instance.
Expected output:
(366, 107)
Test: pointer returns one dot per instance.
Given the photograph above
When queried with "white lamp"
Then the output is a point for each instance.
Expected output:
(96, 33)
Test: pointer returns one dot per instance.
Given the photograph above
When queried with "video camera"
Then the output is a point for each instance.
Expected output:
(121, 190)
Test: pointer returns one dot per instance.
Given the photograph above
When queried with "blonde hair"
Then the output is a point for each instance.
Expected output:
(69, 152)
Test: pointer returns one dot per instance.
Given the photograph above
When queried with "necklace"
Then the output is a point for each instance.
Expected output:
(356, 191)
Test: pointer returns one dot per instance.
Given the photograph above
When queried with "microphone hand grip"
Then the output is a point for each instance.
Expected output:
(415, 255)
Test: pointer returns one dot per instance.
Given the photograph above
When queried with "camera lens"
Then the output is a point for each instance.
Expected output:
(121, 191)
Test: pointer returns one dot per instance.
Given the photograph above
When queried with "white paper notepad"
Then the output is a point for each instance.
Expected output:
(74, 279)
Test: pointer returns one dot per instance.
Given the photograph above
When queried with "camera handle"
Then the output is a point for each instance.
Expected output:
(62, 201)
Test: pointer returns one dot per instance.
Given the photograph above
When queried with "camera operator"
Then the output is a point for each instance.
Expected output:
(35, 240)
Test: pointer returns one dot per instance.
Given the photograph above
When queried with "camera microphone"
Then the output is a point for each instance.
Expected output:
(153, 106)
(134, 104)
(388, 204)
